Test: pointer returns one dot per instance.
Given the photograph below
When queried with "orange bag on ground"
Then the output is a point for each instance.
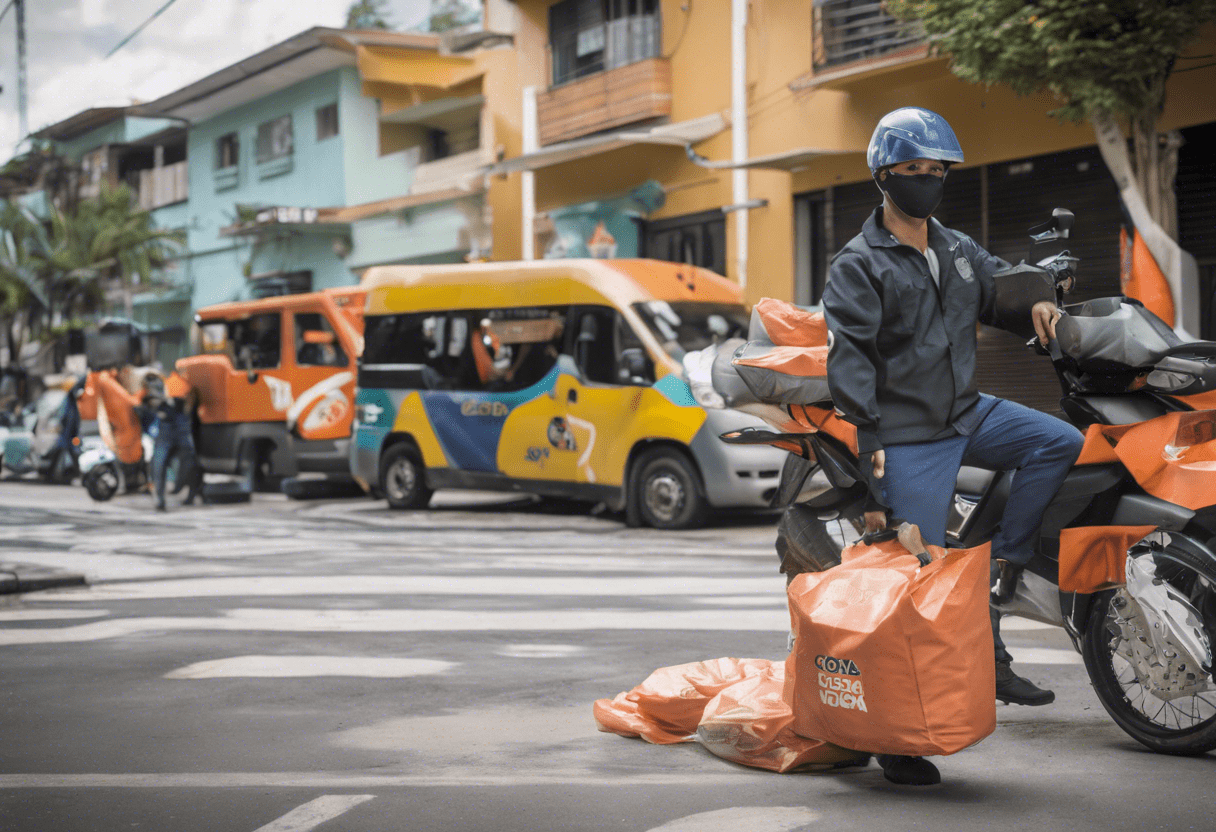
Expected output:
(893, 658)
(734, 707)
(1095, 557)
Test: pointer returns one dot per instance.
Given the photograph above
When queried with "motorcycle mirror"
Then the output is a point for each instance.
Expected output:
(1064, 220)
(251, 376)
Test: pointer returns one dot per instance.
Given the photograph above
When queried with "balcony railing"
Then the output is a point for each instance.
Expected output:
(163, 186)
(625, 95)
(847, 31)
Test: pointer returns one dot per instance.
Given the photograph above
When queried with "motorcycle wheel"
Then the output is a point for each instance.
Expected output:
(807, 542)
(1181, 726)
(102, 482)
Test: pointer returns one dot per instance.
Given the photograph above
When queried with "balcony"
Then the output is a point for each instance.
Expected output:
(848, 31)
(163, 186)
(625, 95)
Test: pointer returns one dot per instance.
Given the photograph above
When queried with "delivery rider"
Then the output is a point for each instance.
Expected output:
(902, 301)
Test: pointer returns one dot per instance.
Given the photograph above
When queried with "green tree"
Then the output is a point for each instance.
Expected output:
(368, 14)
(452, 14)
(1106, 61)
(58, 269)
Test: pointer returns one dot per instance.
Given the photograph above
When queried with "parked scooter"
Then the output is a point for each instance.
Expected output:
(1131, 533)
(45, 438)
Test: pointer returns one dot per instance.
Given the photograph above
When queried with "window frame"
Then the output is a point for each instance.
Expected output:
(236, 151)
(323, 121)
(268, 127)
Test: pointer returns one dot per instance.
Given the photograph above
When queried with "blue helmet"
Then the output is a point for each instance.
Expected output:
(912, 133)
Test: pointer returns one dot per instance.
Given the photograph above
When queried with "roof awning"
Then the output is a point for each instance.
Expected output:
(680, 134)
(400, 203)
(787, 160)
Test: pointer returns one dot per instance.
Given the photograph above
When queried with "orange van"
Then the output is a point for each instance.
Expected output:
(276, 380)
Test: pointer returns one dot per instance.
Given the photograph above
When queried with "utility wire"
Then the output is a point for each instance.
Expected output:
(142, 26)
(11, 3)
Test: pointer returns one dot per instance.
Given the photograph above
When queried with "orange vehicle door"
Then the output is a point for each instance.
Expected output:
(322, 375)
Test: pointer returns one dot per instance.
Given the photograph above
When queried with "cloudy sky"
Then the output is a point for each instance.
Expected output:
(67, 40)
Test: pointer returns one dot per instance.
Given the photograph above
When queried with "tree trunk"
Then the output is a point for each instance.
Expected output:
(1179, 267)
(1156, 166)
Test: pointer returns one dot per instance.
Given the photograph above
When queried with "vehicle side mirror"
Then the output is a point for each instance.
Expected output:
(633, 369)
(1064, 220)
(1056, 228)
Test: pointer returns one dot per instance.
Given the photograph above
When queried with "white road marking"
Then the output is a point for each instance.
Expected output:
(540, 651)
(346, 780)
(49, 614)
(750, 818)
(1044, 655)
(1011, 624)
(315, 812)
(767, 599)
(280, 585)
(411, 621)
(299, 666)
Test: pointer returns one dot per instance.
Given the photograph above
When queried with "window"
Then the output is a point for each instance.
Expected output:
(498, 350)
(595, 348)
(316, 342)
(589, 36)
(685, 326)
(695, 239)
(327, 121)
(227, 151)
(274, 139)
(252, 343)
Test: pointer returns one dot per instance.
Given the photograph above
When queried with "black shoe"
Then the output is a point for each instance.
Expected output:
(161, 507)
(909, 771)
(1013, 689)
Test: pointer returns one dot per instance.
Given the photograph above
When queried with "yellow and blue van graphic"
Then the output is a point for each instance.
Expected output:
(557, 378)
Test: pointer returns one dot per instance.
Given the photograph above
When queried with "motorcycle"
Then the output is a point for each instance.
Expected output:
(1137, 512)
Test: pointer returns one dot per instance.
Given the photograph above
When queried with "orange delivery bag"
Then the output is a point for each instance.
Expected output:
(892, 657)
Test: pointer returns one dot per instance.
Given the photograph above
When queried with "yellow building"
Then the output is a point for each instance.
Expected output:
(620, 86)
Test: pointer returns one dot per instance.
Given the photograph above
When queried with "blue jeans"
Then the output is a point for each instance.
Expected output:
(1040, 449)
(171, 435)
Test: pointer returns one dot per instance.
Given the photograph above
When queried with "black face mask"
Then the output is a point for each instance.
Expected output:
(917, 196)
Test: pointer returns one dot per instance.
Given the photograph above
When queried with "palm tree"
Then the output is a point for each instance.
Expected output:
(58, 269)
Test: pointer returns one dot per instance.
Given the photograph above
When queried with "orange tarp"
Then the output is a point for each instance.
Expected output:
(894, 658)
(1094, 557)
(124, 421)
(1172, 457)
(734, 707)
(789, 326)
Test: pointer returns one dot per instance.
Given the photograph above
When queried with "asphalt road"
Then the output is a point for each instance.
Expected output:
(334, 665)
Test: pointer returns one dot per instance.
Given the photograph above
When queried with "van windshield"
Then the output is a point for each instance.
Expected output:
(686, 326)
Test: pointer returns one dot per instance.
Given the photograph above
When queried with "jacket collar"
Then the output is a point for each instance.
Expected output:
(878, 236)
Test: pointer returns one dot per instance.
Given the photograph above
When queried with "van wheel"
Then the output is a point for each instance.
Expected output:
(403, 478)
(667, 491)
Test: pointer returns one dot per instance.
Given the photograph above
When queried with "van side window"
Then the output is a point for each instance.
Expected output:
(633, 356)
(595, 347)
(516, 348)
(256, 341)
(316, 342)
(421, 350)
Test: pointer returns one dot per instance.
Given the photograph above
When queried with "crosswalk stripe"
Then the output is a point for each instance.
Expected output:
(412, 621)
(473, 585)
(315, 812)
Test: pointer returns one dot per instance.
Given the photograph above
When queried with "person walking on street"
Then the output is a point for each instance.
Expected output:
(170, 405)
(902, 302)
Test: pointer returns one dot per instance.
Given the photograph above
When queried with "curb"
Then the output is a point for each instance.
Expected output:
(23, 577)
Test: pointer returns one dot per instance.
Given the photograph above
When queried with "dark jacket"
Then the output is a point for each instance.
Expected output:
(901, 366)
